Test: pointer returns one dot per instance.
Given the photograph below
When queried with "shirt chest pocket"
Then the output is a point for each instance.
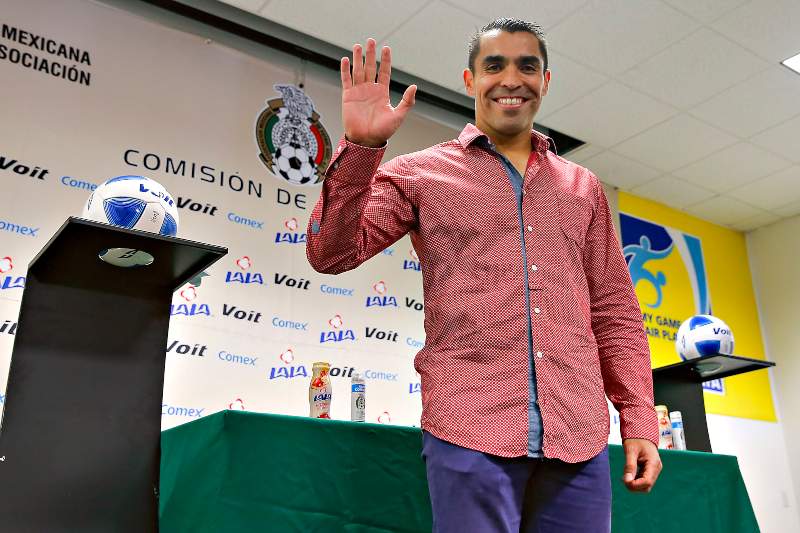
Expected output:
(574, 217)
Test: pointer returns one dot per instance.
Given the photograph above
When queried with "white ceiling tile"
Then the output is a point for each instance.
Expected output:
(248, 5)
(754, 105)
(569, 81)
(783, 139)
(335, 22)
(433, 43)
(705, 11)
(620, 171)
(583, 153)
(793, 209)
(760, 220)
(732, 167)
(694, 69)
(774, 191)
(673, 192)
(609, 115)
(768, 27)
(724, 210)
(675, 143)
(545, 14)
(615, 35)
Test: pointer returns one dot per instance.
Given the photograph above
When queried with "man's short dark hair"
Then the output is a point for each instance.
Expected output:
(511, 26)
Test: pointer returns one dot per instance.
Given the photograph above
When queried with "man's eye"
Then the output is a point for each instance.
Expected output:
(529, 68)
(492, 67)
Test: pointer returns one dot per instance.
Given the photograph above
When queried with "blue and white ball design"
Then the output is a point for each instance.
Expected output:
(134, 202)
(703, 335)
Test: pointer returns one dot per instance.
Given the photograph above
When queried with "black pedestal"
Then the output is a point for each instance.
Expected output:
(79, 438)
(680, 388)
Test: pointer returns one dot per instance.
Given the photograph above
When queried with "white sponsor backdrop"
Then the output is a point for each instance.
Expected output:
(146, 95)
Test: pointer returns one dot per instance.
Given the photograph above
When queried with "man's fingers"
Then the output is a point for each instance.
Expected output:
(358, 65)
(629, 471)
(409, 97)
(648, 477)
(369, 65)
(344, 70)
(385, 72)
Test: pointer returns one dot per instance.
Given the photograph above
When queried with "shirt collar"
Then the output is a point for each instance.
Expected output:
(470, 133)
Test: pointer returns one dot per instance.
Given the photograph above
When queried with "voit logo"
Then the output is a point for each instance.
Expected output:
(336, 331)
(22, 168)
(291, 236)
(197, 207)
(8, 327)
(413, 263)
(242, 273)
(189, 308)
(381, 298)
(183, 348)
(9, 281)
(286, 370)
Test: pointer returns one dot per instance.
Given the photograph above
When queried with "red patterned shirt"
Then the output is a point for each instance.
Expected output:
(456, 201)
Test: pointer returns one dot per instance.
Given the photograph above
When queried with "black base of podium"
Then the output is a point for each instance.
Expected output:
(79, 440)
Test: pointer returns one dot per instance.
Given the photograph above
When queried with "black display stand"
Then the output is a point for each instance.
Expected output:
(80, 434)
(680, 388)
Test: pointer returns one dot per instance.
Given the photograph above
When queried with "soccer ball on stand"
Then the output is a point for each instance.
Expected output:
(703, 335)
(133, 202)
(294, 163)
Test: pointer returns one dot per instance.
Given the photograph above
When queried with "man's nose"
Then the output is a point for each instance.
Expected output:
(511, 78)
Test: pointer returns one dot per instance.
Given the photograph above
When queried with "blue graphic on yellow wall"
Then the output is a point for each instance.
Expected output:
(646, 242)
(669, 273)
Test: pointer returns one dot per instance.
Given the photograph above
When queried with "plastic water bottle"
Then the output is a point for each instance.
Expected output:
(357, 399)
(678, 437)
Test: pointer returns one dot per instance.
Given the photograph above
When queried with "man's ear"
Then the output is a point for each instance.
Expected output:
(469, 82)
(546, 84)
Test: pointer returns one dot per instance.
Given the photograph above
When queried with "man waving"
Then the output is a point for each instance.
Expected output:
(531, 319)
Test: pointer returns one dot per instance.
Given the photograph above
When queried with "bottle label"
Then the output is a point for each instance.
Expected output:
(358, 387)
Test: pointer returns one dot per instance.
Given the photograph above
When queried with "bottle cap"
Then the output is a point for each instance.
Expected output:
(356, 375)
(322, 364)
(675, 415)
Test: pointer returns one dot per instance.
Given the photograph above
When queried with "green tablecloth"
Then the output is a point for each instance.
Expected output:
(244, 472)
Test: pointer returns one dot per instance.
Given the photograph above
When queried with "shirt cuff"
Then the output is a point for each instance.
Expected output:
(353, 162)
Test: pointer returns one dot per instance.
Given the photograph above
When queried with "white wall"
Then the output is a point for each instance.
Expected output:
(773, 260)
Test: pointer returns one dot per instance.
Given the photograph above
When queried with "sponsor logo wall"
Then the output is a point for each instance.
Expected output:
(241, 147)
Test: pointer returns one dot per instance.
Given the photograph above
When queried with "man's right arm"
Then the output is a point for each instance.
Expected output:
(362, 209)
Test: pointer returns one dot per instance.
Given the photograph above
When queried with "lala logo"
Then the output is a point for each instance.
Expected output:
(10, 282)
(413, 264)
(244, 277)
(381, 300)
(385, 418)
(290, 237)
(336, 334)
(287, 371)
(236, 405)
(189, 293)
(288, 356)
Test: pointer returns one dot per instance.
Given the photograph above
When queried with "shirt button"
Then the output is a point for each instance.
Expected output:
(335, 165)
(534, 268)
(530, 228)
(537, 310)
(539, 354)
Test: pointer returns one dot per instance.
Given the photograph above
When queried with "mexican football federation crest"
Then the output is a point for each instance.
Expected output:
(293, 143)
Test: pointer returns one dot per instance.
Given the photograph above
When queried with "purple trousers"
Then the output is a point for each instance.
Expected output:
(473, 491)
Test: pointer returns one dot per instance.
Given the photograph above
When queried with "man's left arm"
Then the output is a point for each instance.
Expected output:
(622, 345)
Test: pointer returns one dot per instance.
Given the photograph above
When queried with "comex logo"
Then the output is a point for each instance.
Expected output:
(244, 277)
(290, 237)
(287, 371)
(10, 282)
(336, 333)
(189, 293)
(381, 300)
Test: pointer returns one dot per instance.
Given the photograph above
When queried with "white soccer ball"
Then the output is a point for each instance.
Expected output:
(134, 202)
(295, 164)
(703, 335)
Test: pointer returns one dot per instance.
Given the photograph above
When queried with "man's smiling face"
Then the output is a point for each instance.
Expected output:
(508, 83)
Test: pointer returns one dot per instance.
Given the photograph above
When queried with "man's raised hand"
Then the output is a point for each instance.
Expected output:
(367, 113)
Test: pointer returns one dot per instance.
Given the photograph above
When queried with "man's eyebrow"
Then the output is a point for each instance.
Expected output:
(529, 59)
(494, 59)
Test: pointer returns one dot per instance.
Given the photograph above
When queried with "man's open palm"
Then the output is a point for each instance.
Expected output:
(367, 113)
